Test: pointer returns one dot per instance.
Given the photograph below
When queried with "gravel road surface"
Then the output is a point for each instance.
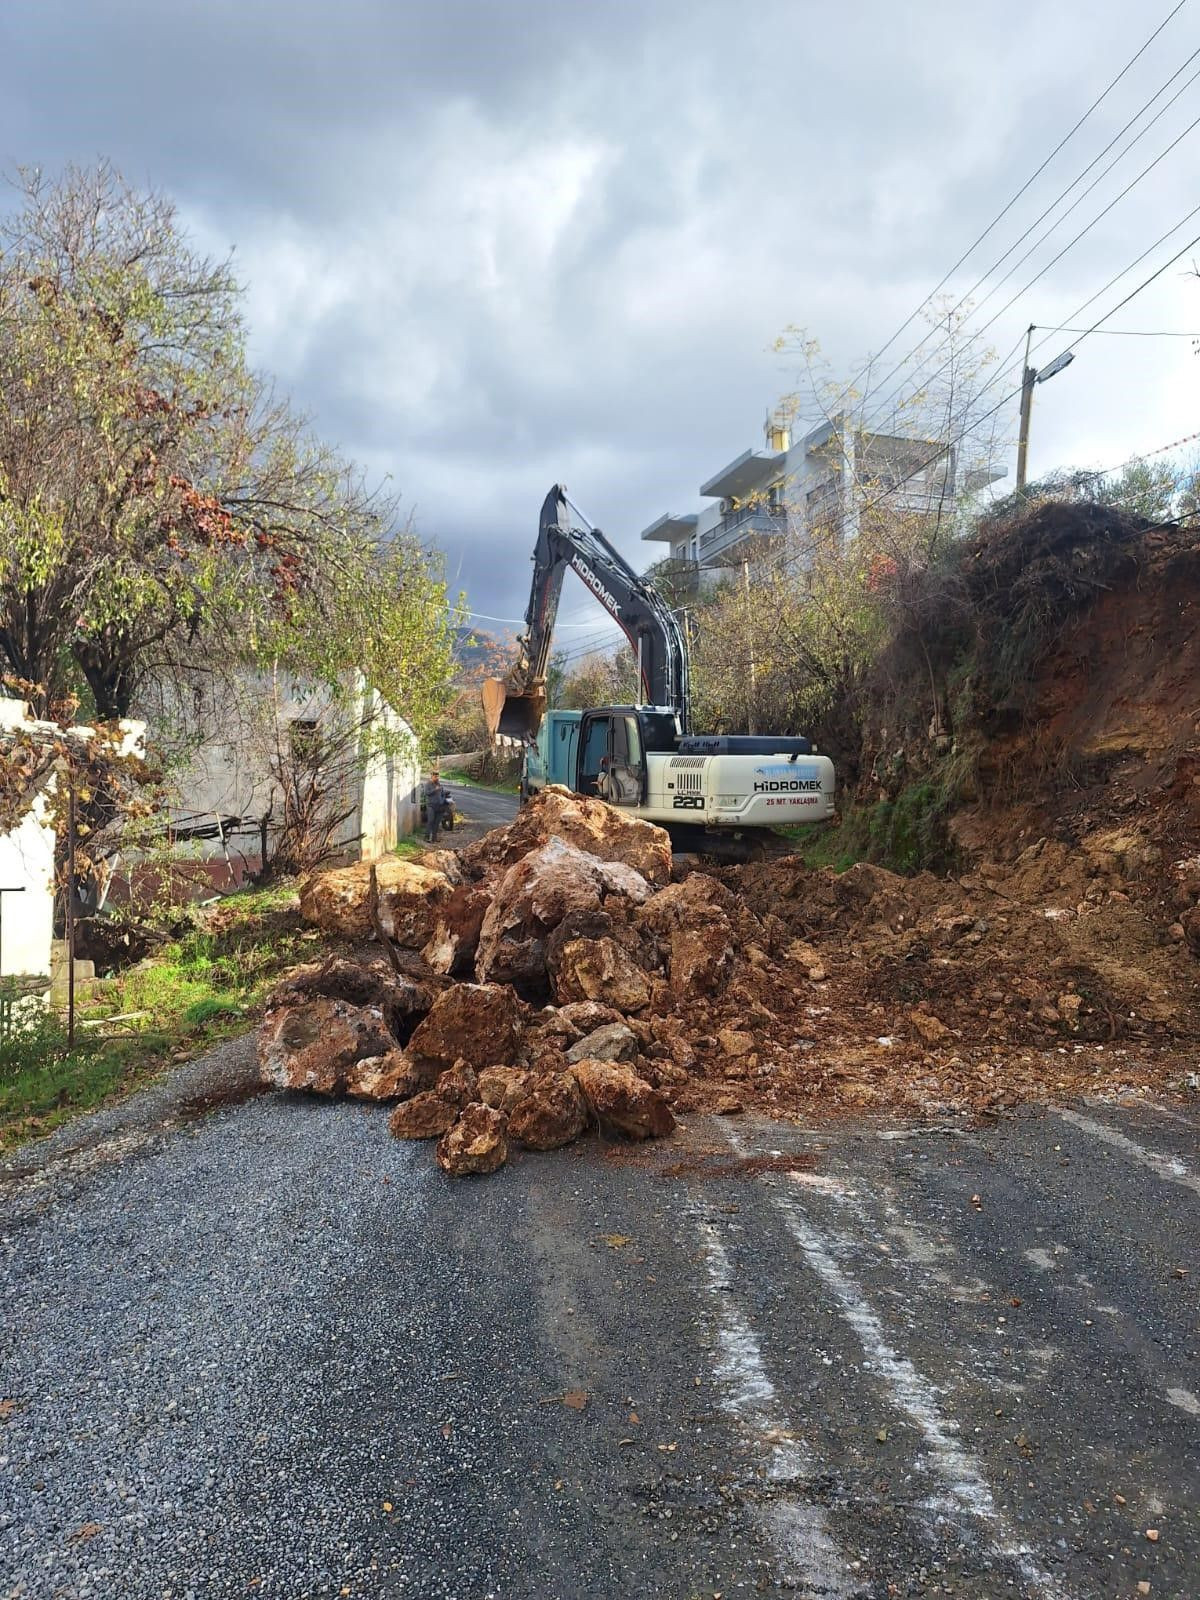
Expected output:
(267, 1350)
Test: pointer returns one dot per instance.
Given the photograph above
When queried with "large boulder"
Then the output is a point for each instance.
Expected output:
(551, 883)
(411, 893)
(401, 1001)
(591, 825)
(315, 1044)
(480, 1022)
(693, 924)
(598, 969)
(621, 1100)
(455, 937)
(475, 1144)
(552, 1113)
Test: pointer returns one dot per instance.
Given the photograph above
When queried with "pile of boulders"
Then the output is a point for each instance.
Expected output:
(554, 977)
(516, 999)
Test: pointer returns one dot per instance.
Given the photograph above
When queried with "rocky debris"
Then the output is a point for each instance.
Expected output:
(481, 1022)
(388, 1077)
(552, 1113)
(316, 1043)
(475, 1144)
(619, 1099)
(410, 895)
(598, 829)
(536, 895)
(598, 969)
(401, 1000)
(769, 987)
(426, 1116)
(613, 1042)
(503, 1087)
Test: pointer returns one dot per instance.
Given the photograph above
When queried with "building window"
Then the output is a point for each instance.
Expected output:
(304, 741)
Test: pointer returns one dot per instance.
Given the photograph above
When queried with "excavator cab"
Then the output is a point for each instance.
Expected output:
(612, 756)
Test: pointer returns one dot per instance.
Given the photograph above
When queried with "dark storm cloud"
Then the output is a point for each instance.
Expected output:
(490, 246)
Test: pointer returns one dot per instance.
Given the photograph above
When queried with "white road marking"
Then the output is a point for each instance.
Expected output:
(912, 1393)
(1169, 1167)
(1133, 1102)
(796, 1527)
(1185, 1400)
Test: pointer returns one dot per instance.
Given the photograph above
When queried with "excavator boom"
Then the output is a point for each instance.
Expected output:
(514, 705)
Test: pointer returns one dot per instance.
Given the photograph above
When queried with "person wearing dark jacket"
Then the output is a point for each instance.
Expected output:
(435, 805)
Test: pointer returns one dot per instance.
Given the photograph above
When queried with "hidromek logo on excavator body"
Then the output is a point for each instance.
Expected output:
(595, 585)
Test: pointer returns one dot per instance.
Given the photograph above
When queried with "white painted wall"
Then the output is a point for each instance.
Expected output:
(226, 766)
(27, 859)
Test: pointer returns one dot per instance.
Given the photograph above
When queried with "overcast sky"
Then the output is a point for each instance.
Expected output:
(491, 246)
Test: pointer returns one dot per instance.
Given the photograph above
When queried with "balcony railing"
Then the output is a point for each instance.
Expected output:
(746, 520)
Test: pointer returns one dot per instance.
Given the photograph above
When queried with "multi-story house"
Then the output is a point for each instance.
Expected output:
(823, 483)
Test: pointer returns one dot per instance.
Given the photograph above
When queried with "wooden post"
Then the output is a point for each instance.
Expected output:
(70, 930)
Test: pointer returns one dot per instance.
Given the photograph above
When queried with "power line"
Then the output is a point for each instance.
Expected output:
(1125, 333)
(1056, 259)
(983, 277)
(519, 622)
(944, 448)
(999, 217)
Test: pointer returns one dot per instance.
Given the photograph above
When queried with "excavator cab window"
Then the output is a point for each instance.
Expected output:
(625, 767)
(611, 764)
(593, 755)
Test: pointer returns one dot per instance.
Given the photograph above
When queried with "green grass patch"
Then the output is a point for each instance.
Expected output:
(197, 989)
(907, 835)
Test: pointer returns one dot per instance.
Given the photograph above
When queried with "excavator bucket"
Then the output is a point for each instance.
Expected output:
(510, 716)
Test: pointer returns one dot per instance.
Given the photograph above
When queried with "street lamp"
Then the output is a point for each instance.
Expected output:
(1031, 376)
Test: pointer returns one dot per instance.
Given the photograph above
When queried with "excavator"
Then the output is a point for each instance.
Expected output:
(713, 792)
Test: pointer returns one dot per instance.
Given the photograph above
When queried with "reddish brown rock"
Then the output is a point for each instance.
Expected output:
(455, 937)
(587, 1015)
(622, 1100)
(536, 895)
(598, 969)
(590, 825)
(693, 923)
(551, 1114)
(388, 1077)
(401, 1001)
(410, 895)
(314, 1045)
(425, 1116)
(481, 1022)
(475, 1145)
(503, 1087)
(459, 1085)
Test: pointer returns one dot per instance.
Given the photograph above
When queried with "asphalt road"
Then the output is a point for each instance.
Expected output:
(478, 810)
(270, 1351)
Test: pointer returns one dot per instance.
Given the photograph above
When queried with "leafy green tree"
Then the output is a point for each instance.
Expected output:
(153, 490)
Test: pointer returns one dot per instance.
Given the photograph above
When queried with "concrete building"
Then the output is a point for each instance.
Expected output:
(821, 482)
(230, 748)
